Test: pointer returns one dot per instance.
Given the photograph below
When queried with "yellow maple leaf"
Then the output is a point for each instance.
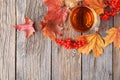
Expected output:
(113, 36)
(94, 44)
(97, 5)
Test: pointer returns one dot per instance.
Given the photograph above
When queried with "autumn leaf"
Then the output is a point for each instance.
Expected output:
(59, 16)
(97, 5)
(71, 3)
(27, 27)
(50, 29)
(53, 4)
(55, 18)
(56, 11)
(113, 36)
(94, 44)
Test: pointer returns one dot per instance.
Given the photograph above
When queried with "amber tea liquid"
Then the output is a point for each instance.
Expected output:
(82, 19)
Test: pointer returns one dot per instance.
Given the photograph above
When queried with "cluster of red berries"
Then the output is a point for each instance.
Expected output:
(71, 44)
(114, 6)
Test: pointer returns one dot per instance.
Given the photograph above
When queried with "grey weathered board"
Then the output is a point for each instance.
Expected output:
(7, 39)
(41, 59)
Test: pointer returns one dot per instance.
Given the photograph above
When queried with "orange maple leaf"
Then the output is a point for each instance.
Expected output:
(113, 36)
(97, 5)
(50, 29)
(94, 44)
(27, 27)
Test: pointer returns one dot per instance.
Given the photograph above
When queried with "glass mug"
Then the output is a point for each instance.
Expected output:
(83, 19)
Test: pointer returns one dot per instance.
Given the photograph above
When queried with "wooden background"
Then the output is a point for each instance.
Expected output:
(40, 59)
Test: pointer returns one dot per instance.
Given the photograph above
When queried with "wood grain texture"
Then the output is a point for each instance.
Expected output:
(98, 68)
(7, 40)
(33, 55)
(116, 53)
(65, 66)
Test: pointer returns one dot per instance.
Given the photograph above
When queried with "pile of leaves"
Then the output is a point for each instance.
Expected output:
(57, 14)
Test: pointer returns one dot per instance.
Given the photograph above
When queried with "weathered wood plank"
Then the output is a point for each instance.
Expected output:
(100, 68)
(34, 54)
(7, 40)
(66, 64)
(116, 54)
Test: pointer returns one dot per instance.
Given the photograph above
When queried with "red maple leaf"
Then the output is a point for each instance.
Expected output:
(53, 4)
(59, 15)
(56, 16)
(27, 27)
(56, 10)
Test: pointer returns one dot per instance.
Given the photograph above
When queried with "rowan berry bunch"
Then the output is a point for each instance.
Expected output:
(68, 43)
(114, 6)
